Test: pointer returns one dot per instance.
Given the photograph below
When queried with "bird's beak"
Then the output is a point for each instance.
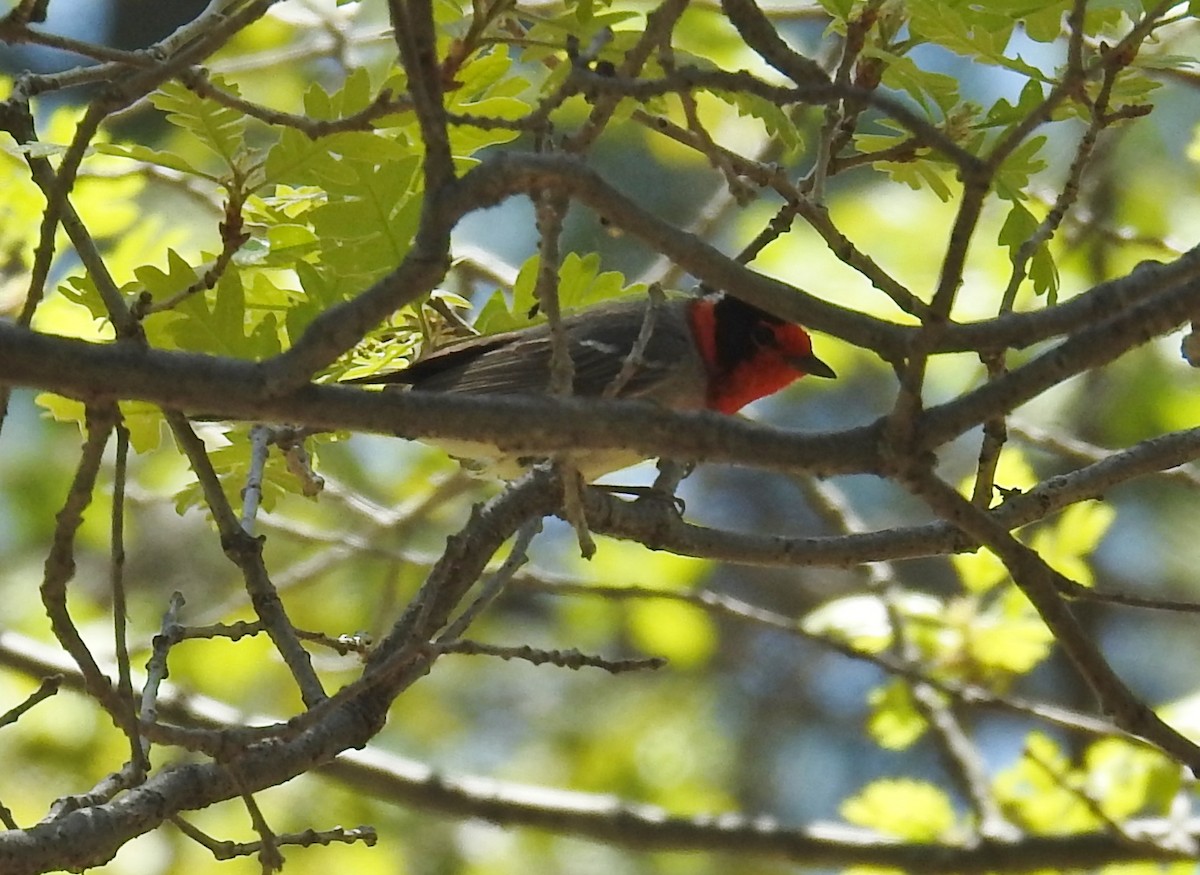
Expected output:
(812, 365)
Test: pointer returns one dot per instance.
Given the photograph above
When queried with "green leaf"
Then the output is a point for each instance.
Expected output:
(1043, 271)
(297, 160)
(368, 227)
(776, 122)
(1008, 637)
(911, 810)
(837, 9)
(1044, 24)
(232, 466)
(981, 34)
(216, 322)
(287, 202)
(142, 419)
(354, 96)
(980, 571)
(221, 129)
(82, 290)
(138, 152)
(549, 32)
(1013, 176)
(165, 284)
(903, 74)
(62, 409)
(581, 283)
(1041, 791)
(1082, 526)
(1128, 779)
(321, 290)
(145, 424)
(894, 720)
(1003, 113)
(1019, 225)
(1076, 532)
(918, 175)
(1134, 87)
(487, 88)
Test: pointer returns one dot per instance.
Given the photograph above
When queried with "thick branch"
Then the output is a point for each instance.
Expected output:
(225, 388)
(662, 529)
(601, 818)
(508, 174)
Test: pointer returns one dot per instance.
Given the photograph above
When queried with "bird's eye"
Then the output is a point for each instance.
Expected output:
(762, 335)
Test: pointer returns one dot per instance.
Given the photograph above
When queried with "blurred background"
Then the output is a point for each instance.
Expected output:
(744, 717)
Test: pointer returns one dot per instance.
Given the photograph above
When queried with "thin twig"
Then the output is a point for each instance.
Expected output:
(268, 850)
(572, 659)
(47, 688)
(222, 850)
(156, 666)
(245, 551)
(60, 567)
(120, 610)
(1040, 584)
(491, 590)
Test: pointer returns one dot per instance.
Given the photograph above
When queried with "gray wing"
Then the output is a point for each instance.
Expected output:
(518, 362)
(601, 355)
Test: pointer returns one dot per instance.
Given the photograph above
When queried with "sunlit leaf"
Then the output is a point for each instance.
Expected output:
(907, 809)
(894, 720)
(219, 128)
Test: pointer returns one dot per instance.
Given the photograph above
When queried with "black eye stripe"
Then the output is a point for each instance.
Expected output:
(741, 331)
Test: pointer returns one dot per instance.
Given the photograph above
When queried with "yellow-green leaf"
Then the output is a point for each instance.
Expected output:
(907, 809)
(894, 720)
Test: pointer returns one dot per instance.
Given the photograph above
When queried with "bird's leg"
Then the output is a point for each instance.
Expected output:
(644, 493)
(670, 473)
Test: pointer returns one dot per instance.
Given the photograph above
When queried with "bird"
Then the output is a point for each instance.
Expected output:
(711, 352)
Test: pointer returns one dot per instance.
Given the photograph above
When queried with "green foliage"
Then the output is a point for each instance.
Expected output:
(232, 231)
(902, 808)
(681, 633)
(981, 33)
(153, 157)
(778, 125)
(1067, 543)
(486, 87)
(224, 324)
(1116, 779)
(894, 721)
(220, 129)
(581, 283)
(838, 9)
(936, 93)
(231, 461)
(1019, 227)
(143, 421)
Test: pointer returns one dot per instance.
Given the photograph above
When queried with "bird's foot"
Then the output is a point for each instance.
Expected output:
(647, 493)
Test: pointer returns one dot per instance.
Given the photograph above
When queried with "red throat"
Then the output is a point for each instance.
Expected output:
(762, 372)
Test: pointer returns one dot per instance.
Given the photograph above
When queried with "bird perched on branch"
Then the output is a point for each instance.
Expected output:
(715, 352)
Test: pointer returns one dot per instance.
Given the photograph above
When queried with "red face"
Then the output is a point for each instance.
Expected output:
(773, 364)
(749, 353)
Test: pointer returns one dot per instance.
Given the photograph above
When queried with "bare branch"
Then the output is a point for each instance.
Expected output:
(47, 688)
(245, 551)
